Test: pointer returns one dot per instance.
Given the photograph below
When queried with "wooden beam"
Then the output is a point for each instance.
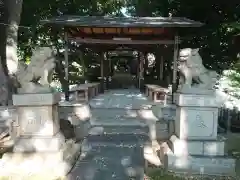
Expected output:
(104, 41)
(175, 58)
(66, 64)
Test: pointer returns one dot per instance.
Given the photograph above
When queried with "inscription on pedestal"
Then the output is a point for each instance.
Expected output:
(197, 123)
(37, 120)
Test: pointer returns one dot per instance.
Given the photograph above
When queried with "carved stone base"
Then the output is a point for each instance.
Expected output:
(197, 147)
(199, 165)
(39, 144)
(39, 165)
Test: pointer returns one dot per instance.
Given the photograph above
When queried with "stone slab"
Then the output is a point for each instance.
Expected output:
(39, 144)
(36, 99)
(196, 123)
(205, 165)
(116, 122)
(98, 130)
(38, 120)
(188, 147)
(196, 100)
(146, 114)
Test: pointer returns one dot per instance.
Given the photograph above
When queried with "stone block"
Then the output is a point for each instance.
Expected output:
(38, 120)
(196, 123)
(162, 130)
(171, 127)
(196, 147)
(36, 99)
(81, 130)
(7, 113)
(164, 112)
(196, 100)
(183, 147)
(205, 165)
(214, 148)
(74, 112)
(39, 144)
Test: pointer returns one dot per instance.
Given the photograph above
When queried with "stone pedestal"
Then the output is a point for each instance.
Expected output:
(40, 143)
(38, 121)
(196, 147)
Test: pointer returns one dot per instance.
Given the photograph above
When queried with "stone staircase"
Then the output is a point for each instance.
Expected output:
(112, 151)
(117, 146)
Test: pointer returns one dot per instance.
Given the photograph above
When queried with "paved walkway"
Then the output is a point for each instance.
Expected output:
(118, 152)
(122, 99)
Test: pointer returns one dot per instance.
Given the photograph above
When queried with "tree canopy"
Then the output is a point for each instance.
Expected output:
(215, 38)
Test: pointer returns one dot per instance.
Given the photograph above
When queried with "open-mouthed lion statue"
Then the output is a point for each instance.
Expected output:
(193, 74)
(37, 76)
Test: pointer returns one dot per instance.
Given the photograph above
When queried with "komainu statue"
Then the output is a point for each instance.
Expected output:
(193, 74)
(37, 76)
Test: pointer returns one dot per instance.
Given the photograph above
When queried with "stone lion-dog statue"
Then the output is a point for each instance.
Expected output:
(37, 76)
(193, 73)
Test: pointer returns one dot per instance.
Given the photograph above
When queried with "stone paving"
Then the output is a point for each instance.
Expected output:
(114, 147)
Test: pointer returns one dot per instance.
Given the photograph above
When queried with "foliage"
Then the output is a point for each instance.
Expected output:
(214, 38)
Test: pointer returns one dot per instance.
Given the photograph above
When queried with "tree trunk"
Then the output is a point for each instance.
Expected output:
(14, 17)
(14, 9)
(3, 66)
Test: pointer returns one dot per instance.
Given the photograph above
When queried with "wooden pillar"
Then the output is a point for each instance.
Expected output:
(175, 58)
(66, 66)
(145, 64)
(161, 68)
(102, 72)
(141, 71)
(107, 70)
(82, 62)
(158, 63)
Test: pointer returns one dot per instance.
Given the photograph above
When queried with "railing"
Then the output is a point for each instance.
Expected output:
(229, 119)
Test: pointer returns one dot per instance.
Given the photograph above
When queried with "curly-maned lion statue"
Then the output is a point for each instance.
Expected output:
(37, 76)
(193, 74)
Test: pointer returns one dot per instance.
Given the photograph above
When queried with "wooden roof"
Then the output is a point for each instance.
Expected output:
(102, 21)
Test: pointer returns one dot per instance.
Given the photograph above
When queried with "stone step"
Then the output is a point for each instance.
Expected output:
(118, 139)
(109, 163)
(113, 129)
(195, 164)
(116, 122)
(122, 112)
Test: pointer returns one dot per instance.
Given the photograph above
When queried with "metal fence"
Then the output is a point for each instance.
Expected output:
(229, 119)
